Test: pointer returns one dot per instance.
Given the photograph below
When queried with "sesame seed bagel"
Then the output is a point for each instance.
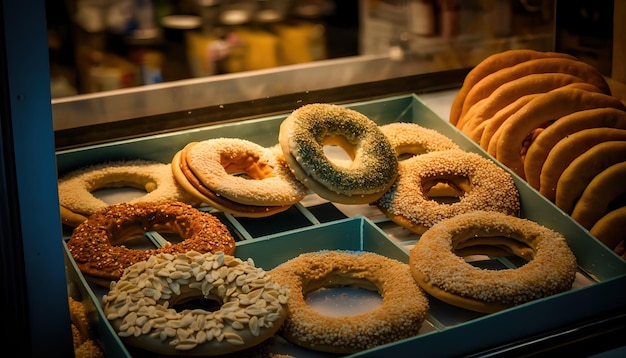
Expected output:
(97, 244)
(76, 187)
(160, 305)
(410, 139)
(400, 315)
(441, 272)
(372, 170)
(483, 186)
(237, 176)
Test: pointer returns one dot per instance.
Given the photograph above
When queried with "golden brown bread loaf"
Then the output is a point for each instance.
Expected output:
(552, 132)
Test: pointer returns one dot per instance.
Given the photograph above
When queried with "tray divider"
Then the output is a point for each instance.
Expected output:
(312, 218)
(242, 231)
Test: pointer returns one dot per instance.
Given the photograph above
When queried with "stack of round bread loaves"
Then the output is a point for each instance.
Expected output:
(552, 120)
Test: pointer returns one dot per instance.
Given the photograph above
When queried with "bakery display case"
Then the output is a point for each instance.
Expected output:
(410, 72)
(315, 224)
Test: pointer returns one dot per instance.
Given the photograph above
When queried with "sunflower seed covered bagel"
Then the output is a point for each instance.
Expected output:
(551, 266)
(152, 305)
(372, 170)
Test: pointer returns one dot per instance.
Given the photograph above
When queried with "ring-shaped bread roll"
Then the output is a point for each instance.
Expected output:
(609, 229)
(603, 190)
(97, 244)
(76, 187)
(372, 170)
(441, 272)
(410, 139)
(581, 171)
(492, 64)
(511, 91)
(541, 112)
(482, 183)
(237, 176)
(400, 315)
(567, 125)
(575, 67)
(567, 150)
(483, 132)
(152, 304)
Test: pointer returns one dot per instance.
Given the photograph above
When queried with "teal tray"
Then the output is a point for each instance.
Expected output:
(315, 224)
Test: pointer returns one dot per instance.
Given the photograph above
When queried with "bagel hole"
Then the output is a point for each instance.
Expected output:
(341, 296)
(207, 304)
(446, 189)
(119, 194)
(247, 165)
(135, 238)
(482, 248)
(136, 242)
(337, 155)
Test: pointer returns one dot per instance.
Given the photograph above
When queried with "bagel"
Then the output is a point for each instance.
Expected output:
(237, 176)
(540, 112)
(599, 195)
(609, 229)
(83, 333)
(372, 170)
(192, 185)
(442, 272)
(162, 305)
(565, 126)
(488, 84)
(410, 139)
(399, 316)
(568, 149)
(76, 188)
(492, 64)
(511, 91)
(483, 186)
(97, 244)
(584, 168)
(492, 124)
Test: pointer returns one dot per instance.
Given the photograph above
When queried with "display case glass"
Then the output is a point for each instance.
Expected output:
(120, 79)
